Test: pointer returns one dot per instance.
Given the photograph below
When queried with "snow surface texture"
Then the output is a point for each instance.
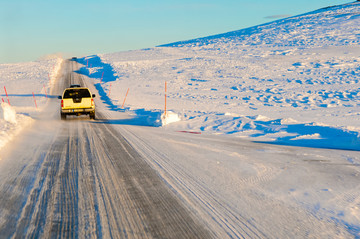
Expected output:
(169, 118)
(294, 81)
(10, 123)
(7, 113)
(20, 81)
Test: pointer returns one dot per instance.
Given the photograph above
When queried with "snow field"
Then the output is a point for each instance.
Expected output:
(304, 68)
(223, 94)
(21, 80)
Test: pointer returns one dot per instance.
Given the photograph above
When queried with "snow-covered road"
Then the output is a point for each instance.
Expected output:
(80, 178)
(111, 178)
(248, 190)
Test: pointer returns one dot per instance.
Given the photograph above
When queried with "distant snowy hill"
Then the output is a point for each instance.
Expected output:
(331, 26)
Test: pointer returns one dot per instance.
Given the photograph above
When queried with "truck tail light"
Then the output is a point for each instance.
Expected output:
(92, 102)
(62, 103)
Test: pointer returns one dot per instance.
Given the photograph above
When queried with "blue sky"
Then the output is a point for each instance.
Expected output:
(32, 29)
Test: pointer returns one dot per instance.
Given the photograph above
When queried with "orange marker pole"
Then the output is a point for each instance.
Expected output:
(102, 76)
(165, 96)
(45, 91)
(34, 99)
(125, 98)
(7, 95)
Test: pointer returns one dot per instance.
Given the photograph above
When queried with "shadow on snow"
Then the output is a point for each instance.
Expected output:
(141, 118)
(104, 73)
(326, 137)
(31, 95)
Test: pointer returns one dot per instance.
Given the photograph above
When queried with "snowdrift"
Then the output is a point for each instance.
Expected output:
(11, 123)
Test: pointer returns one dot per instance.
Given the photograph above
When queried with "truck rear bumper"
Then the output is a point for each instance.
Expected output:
(77, 111)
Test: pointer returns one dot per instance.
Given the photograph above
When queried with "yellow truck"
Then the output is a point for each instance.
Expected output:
(77, 101)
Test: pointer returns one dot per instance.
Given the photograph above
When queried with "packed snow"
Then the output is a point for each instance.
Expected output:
(7, 113)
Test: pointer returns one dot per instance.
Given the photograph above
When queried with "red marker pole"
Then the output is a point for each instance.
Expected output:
(125, 98)
(102, 76)
(165, 96)
(3, 100)
(7, 95)
(45, 91)
(34, 99)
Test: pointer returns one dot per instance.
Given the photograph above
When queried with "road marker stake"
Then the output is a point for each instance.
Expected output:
(3, 100)
(189, 132)
(34, 99)
(125, 98)
(102, 76)
(7, 95)
(165, 96)
(45, 91)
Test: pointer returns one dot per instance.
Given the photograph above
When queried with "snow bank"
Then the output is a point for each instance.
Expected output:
(169, 117)
(8, 113)
(11, 123)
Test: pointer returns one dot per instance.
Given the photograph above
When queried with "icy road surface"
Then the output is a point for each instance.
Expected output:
(81, 179)
(111, 178)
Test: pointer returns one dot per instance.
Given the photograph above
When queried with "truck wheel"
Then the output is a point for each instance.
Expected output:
(92, 115)
(63, 116)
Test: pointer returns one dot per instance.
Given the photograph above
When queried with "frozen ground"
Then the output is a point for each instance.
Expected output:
(289, 82)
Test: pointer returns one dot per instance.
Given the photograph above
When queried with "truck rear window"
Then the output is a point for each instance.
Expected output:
(77, 93)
